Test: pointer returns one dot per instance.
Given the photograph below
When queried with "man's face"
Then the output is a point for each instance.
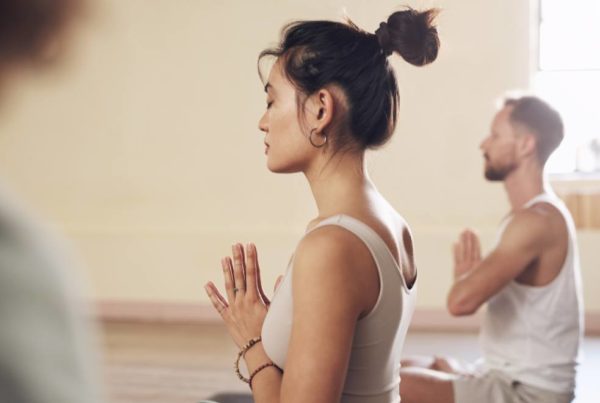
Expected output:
(500, 146)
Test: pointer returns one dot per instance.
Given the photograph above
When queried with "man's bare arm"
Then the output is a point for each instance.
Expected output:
(523, 240)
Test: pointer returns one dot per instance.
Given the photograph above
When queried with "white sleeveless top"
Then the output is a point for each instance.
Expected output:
(374, 369)
(533, 333)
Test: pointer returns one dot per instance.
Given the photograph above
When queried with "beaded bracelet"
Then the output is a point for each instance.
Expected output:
(245, 348)
(257, 370)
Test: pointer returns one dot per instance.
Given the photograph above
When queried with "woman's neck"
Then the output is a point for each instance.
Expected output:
(339, 184)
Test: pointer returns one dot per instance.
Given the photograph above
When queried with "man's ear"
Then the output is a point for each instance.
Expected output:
(322, 106)
(528, 144)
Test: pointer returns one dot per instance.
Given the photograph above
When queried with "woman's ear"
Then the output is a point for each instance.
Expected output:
(322, 105)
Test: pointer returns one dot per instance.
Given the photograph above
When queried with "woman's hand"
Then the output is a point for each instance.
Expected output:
(246, 305)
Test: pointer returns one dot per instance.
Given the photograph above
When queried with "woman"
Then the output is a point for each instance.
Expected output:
(335, 329)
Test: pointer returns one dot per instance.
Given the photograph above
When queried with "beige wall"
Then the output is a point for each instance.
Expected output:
(145, 150)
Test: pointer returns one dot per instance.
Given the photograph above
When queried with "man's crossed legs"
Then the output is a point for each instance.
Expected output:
(445, 380)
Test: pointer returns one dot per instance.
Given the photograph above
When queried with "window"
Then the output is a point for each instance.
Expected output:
(568, 76)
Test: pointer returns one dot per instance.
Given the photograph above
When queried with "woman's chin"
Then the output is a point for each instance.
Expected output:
(272, 167)
(276, 169)
(280, 169)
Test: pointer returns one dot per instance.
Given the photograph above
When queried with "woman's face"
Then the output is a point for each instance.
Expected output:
(286, 146)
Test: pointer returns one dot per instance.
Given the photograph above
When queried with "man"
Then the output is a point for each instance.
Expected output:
(530, 281)
(45, 350)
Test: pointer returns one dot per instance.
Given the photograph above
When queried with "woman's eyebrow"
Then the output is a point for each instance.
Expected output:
(267, 86)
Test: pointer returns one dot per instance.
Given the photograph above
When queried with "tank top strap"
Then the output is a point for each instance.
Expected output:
(376, 245)
(541, 198)
(554, 200)
(358, 228)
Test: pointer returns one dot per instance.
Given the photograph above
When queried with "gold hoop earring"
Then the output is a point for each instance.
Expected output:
(310, 138)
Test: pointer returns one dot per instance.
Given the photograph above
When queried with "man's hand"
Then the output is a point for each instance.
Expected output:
(467, 253)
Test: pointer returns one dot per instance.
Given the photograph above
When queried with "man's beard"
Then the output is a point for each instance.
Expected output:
(497, 174)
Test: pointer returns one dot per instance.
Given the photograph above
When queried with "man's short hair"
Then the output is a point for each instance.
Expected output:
(543, 121)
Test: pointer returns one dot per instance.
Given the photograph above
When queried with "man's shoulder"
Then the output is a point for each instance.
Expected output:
(539, 224)
(531, 219)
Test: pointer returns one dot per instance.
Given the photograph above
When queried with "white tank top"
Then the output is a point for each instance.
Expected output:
(374, 369)
(533, 333)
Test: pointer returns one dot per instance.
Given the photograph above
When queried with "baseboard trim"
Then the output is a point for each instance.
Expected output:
(424, 319)
(429, 319)
(145, 311)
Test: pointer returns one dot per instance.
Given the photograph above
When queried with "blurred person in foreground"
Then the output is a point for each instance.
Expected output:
(46, 350)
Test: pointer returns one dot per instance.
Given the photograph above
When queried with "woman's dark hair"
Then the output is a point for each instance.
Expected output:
(27, 27)
(318, 54)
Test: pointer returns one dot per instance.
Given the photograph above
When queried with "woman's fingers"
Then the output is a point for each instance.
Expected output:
(228, 276)
(261, 292)
(242, 275)
(251, 273)
(216, 298)
(238, 269)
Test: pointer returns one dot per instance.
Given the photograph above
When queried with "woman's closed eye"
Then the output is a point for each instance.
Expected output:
(269, 103)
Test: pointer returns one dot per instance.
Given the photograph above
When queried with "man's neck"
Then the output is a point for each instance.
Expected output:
(524, 184)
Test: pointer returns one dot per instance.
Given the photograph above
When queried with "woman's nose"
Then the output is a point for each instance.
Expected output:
(262, 123)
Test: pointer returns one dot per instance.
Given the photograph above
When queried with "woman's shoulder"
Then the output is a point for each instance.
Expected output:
(332, 259)
(327, 240)
(331, 247)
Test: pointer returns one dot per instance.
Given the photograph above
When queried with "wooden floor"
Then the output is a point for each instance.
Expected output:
(167, 363)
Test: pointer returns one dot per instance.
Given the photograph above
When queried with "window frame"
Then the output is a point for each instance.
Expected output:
(535, 68)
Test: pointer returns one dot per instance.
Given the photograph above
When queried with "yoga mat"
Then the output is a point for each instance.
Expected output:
(229, 398)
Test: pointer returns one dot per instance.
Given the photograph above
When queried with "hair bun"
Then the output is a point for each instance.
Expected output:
(383, 36)
(412, 34)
